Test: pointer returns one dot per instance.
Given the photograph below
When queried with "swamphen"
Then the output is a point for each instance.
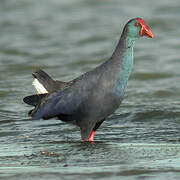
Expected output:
(89, 99)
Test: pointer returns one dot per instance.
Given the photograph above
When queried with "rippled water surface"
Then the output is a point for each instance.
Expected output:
(67, 38)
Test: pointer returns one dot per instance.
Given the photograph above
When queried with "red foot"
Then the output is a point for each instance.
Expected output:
(91, 137)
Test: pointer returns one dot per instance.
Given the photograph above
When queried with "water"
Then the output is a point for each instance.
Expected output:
(67, 38)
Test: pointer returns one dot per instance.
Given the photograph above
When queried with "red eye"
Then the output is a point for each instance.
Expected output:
(137, 24)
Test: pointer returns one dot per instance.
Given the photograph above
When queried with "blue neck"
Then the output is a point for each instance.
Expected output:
(126, 65)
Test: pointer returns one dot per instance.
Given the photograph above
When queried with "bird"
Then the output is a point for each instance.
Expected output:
(89, 99)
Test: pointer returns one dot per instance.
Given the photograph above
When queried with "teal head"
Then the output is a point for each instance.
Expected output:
(136, 28)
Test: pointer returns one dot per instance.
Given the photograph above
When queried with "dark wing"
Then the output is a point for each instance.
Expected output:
(68, 100)
(34, 99)
(64, 102)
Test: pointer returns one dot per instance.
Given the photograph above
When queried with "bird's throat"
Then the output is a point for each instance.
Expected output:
(126, 65)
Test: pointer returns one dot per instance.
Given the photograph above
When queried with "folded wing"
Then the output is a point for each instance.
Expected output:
(65, 102)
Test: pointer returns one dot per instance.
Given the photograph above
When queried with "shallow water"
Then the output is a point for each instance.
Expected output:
(67, 38)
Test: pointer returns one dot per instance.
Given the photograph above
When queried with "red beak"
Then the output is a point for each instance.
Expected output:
(145, 30)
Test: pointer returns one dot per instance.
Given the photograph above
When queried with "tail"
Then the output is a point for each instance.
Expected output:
(44, 83)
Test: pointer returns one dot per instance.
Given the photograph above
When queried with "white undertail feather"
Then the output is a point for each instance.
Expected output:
(39, 87)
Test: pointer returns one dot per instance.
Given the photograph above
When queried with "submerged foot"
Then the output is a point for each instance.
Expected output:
(91, 137)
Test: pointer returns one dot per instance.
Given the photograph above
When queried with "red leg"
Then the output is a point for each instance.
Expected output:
(91, 137)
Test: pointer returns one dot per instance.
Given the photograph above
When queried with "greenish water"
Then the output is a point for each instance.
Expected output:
(67, 38)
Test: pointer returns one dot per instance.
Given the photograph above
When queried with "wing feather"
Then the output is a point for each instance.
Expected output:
(63, 102)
